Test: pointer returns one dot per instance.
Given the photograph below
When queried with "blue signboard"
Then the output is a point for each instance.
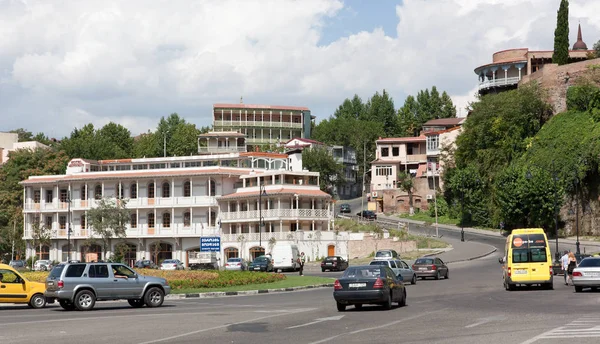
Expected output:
(210, 244)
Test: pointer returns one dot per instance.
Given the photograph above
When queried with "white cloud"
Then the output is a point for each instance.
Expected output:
(64, 64)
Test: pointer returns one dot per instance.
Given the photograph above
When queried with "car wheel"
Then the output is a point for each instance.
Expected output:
(388, 304)
(341, 307)
(154, 297)
(85, 300)
(548, 286)
(358, 306)
(37, 301)
(136, 303)
(437, 276)
(66, 305)
(414, 280)
(447, 274)
(402, 302)
(578, 289)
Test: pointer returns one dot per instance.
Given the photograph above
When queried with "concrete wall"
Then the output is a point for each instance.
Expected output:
(370, 244)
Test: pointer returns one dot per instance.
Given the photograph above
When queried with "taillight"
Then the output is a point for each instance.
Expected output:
(413, 267)
(174, 265)
(322, 264)
(60, 284)
(378, 284)
(433, 267)
(551, 270)
(508, 271)
(577, 273)
(334, 263)
(337, 285)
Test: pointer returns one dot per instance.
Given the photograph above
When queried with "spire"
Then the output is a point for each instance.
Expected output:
(580, 44)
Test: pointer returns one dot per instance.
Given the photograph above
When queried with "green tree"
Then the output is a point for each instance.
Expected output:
(320, 160)
(596, 49)
(112, 141)
(146, 145)
(407, 118)
(406, 184)
(426, 106)
(351, 109)
(117, 140)
(561, 35)
(380, 108)
(109, 220)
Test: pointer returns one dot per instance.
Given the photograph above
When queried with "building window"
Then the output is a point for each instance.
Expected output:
(63, 195)
(36, 196)
(83, 192)
(166, 220)
(83, 222)
(133, 191)
(395, 151)
(62, 221)
(98, 191)
(151, 190)
(187, 189)
(383, 170)
(385, 151)
(166, 190)
(433, 142)
(151, 220)
(48, 221)
(212, 187)
(49, 196)
(133, 221)
(187, 219)
(231, 252)
(212, 218)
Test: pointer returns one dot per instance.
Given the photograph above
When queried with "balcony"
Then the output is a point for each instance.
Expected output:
(256, 124)
(500, 82)
(158, 202)
(275, 214)
(280, 236)
(217, 150)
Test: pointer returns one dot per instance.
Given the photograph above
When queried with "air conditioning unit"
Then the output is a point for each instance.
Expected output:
(429, 196)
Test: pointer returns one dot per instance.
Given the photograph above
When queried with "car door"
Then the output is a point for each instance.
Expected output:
(394, 267)
(441, 266)
(124, 283)
(406, 274)
(394, 283)
(11, 287)
(100, 279)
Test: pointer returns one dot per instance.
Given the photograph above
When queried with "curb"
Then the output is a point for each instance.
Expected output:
(476, 257)
(245, 292)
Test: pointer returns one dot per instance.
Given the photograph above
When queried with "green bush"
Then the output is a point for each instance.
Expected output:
(442, 207)
(579, 97)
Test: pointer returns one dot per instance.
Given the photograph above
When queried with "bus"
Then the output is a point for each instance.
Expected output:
(527, 259)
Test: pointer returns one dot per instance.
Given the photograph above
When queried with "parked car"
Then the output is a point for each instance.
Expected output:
(587, 274)
(367, 214)
(334, 263)
(386, 254)
(369, 284)
(144, 264)
(19, 265)
(262, 263)
(42, 265)
(345, 208)
(172, 264)
(15, 288)
(79, 286)
(285, 257)
(431, 267)
(236, 264)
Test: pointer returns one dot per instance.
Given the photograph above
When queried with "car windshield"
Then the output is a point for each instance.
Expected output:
(383, 254)
(234, 260)
(56, 271)
(379, 262)
(424, 261)
(330, 259)
(590, 263)
(169, 261)
(261, 260)
(362, 272)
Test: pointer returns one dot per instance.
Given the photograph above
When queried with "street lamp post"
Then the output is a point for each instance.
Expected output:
(555, 177)
(462, 211)
(69, 227)
(577, 215)
(165, 143)
(260, 218)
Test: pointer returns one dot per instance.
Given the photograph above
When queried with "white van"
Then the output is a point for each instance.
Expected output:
(285, 257)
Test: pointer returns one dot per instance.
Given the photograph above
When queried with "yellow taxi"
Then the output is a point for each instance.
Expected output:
(527, 259)
(15, 288)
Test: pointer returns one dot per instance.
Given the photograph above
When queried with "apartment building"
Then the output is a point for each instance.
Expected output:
(9, 142)
(175, 201)
(263, 124)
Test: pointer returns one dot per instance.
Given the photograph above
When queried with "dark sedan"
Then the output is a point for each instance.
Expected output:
(431, 267)
(262, 263)
(145, 264)
(369, 284)
(334, 263)
(367, 214)
(345, 208)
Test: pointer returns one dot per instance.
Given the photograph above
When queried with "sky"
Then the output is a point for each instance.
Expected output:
(64, 64)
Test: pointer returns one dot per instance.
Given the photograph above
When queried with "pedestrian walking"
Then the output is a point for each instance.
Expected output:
(572, 265)
(564, 262)
(301, 261)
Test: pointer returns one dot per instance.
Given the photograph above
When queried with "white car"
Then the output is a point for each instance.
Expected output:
(172, 264)
(42, 265)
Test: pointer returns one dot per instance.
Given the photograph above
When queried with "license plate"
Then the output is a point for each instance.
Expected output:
(328, 263)
(256, 268)
(592, 274)
(420, 269)
(50, 283)
(357, 285)
(520, 272)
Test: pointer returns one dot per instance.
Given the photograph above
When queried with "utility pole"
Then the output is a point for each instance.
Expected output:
(165, 143)
(362, 199)
(437, 234)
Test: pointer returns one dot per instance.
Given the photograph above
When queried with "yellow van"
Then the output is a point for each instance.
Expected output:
(15, 288)
(527, 259)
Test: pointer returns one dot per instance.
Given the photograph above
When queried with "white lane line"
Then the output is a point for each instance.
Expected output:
(542, 335)
(222, 326)
(378, 327)
(486, 320)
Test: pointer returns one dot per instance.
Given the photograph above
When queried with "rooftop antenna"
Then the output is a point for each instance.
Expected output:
(241, 100)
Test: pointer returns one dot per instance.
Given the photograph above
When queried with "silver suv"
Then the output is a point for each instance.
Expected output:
(80, 285)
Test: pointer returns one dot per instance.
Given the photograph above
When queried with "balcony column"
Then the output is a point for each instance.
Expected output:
(519, 67)
(42, 197)
(505, 68)
(102, 188)
(281, 226)
(191, 187)
(137, 220)
(494, 69)
(172, 193)
(484, 75)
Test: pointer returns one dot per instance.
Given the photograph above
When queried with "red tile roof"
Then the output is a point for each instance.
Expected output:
(428, 133)
(259, 107)
(136, 174)
(277, 192)
(264, 155)
(305, 140)
(403, 139)
(444, 121)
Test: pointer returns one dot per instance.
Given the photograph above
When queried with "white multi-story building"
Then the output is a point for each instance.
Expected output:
(175, 201)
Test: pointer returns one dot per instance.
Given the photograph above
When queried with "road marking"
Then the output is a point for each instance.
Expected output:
(318, 320)
(486, 320)
(221, 326)
(378, 327)
(579, 328)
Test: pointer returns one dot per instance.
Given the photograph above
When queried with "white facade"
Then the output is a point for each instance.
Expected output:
(9, 142)
(175, 201)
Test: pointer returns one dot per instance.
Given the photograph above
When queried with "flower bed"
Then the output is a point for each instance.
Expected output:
(192, 279)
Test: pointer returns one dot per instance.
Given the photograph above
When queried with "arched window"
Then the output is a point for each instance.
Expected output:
(44, 253)
(98, 191)
(150, 220)
(212, 187)
(256, 251)
(83, 222)
(212, 219)
(133, 191)
(133, 220)
(91, 253)
(151, 190)
(187, 189)
(231, 252)
(187, 219)
(166, 190)
(166, 220)
(161, 251)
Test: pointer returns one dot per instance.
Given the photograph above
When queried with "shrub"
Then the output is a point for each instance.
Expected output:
(580, 96)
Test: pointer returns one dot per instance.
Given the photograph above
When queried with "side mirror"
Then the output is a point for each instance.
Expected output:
(501, 260)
